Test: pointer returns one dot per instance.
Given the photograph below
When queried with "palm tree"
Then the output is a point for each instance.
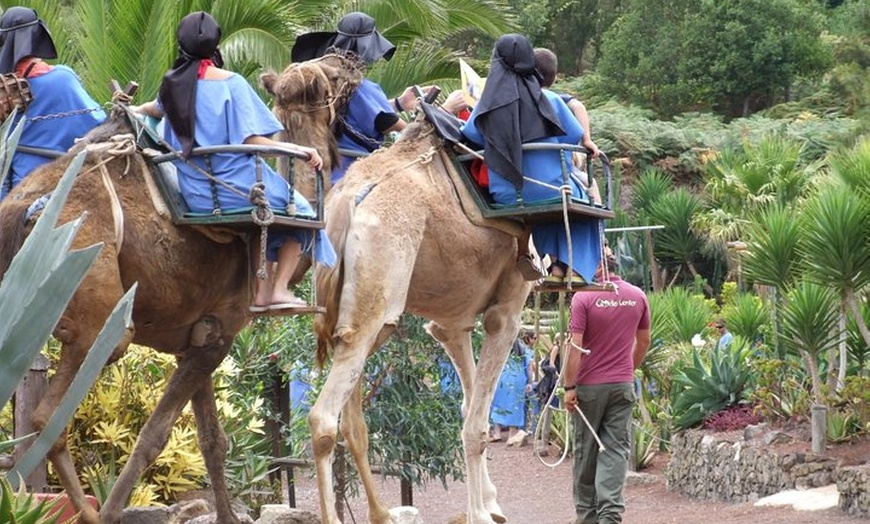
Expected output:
(741, 183)
(135, 39)
(836, 249)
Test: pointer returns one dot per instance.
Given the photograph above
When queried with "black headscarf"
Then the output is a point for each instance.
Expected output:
(198, 38)
(356, 33)
(23, 34)
(513, 109)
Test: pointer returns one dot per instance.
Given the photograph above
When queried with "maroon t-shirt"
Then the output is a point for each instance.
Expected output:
(609, 323)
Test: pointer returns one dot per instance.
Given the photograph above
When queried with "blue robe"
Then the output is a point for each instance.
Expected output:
(509, 403)
(56, 92)
(546, 166)
(363, 107)
(228, 111)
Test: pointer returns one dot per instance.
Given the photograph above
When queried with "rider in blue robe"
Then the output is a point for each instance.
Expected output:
(519, 111)
(57, 93)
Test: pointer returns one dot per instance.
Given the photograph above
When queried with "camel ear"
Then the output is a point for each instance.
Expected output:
(268, 81)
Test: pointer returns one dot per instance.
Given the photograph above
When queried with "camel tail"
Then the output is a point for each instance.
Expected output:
(12, 231)
(330, 281)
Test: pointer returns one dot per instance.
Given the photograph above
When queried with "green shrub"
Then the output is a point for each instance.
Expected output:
(783, 390)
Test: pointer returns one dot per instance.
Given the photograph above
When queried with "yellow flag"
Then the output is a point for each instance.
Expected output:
(472, 83)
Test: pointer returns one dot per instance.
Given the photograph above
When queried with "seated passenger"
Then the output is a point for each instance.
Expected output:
(370, 116)
(208, 106)
(514, 110)
(57, 92)
(547, 64)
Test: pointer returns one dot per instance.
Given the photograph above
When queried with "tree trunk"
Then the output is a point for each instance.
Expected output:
(852, 303)
(844, 351)
(656, 277)
(707, 287)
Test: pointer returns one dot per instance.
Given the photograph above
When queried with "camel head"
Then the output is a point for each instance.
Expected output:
(308, 97)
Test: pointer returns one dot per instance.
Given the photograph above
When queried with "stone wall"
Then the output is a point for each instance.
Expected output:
(853, 483)
(730, 468)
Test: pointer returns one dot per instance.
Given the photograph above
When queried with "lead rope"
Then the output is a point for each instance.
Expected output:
(262, 215)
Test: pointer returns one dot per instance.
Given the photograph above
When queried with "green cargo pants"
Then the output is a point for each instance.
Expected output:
(599, 478)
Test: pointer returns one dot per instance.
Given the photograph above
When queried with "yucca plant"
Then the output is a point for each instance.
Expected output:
(809, 325)
(836, 249)
(747, 316)
(702, 389)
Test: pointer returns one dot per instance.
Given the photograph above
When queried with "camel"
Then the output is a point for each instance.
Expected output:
(192, 300)
(404, 245)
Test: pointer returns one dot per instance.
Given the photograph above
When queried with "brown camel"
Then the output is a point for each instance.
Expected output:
(404, 244)
(192, 300)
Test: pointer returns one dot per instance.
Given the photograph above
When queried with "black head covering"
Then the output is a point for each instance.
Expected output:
(23, 34)
(512, 109)
(356, 33)
(198, 37)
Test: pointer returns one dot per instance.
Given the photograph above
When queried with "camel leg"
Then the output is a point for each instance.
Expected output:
(186, 380)
(457, 345)
(347, 367)
(72, 356)
(481, 491)
(501, 323)
(76, 330)
(213, 445)
(356, 435)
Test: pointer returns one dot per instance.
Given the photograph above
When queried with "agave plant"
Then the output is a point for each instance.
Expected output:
(21, 508)
(42, 278)
(701, 389)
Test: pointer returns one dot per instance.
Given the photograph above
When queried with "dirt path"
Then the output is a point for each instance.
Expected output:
(531, 493)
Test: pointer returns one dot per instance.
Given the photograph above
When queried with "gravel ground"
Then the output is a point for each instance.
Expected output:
(532, 493)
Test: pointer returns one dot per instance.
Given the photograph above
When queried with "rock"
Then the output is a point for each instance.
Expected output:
(284, 514)
(755, 431)
(189, 509)
(520, 439)
(155, 515)
(211, 518)
(777, 437)
(460, 518)
(633, 478)
(406, 515)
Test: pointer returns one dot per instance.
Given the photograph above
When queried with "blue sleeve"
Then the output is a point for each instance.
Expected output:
(367, 102)
(247, 115)
(470, 129)
(573, 129)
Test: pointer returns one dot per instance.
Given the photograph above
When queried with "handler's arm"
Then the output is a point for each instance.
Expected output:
(572, 368)
(641, 345)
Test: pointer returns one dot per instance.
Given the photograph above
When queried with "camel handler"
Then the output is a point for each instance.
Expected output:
(610, 335)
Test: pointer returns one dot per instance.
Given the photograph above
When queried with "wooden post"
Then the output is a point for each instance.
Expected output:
(27, 397)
